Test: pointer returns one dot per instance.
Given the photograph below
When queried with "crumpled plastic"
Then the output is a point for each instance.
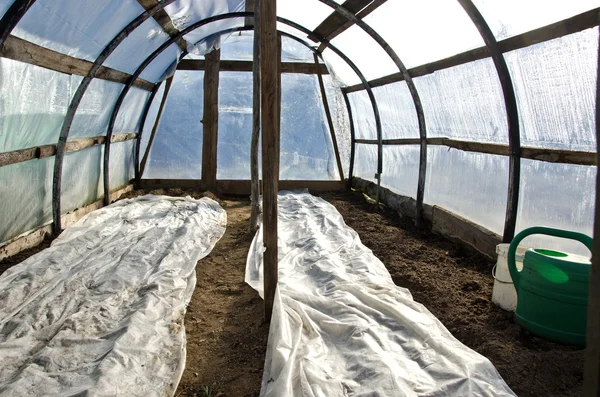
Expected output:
(341, 327)
(101, 311)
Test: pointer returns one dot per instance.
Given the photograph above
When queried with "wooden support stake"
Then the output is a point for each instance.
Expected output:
(591, 375)
(254, 177)
(270, 145)
(352, 140)
(156, 123)
(329, 119)
(210, 119)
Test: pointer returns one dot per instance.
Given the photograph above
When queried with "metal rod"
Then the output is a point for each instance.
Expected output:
(138, 141)
(11, 18)
(512, 115)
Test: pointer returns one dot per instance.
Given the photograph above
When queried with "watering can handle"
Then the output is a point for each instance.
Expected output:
(512, 250)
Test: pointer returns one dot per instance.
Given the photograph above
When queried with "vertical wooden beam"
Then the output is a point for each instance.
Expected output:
(591, 376)
(156, 123)
(210, 119)
(254, 177)
(329, 119)
(512, 116)
(270, 145)
(352, 139)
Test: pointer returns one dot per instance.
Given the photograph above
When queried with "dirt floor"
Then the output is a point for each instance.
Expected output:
(226, 337)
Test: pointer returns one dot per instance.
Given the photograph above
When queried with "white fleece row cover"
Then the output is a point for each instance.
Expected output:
(101, 311)
(341, 327)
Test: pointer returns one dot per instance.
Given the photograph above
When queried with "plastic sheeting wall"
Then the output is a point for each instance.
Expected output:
(177, 149)
(235, 125)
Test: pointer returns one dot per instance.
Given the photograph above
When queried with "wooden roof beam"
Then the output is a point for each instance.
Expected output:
(246, 66)
(335, 24)
(33, 54)
(164, 20)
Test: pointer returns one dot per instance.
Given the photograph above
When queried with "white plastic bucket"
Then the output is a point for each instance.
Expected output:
(504, 294)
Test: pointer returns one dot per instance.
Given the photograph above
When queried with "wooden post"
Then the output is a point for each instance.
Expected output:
(254, 177)
(156, 123)
(591, 375)
(210, 119)
(138, 138)
(328, 115)
(270, 144)
(352, 139)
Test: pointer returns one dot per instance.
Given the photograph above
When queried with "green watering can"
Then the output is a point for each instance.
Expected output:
(552, 288)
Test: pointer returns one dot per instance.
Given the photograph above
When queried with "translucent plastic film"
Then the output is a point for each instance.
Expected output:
(82, 178)
(235, 125)
(472, 185)
(363, 115)
(26, 191)
(397, 110)
(424, 31)
(306, 149)
(79, 28)
(464, 102)
(33, 103)
(555, 84)
(341, 120)
(177, 149)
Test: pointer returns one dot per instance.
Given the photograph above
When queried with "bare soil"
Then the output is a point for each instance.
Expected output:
(226, 336)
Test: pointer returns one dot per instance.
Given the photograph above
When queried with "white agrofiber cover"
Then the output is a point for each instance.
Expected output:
(341, 327)
(101, 311)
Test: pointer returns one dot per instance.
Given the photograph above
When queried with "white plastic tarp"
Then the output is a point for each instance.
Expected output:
(101, 311)
(341, 327)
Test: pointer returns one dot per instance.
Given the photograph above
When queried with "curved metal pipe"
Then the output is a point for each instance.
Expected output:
(197, 25)
(76, 100)
(414, 94)
(11, 18)
(138, 140)
(512, 115)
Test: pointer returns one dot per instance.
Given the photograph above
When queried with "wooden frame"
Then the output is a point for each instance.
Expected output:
(561, 156)
(162, 18)
(553, 31)
(43, 151)
(23, 51)
(246, 66)
(242, 187)
(210, 119)
(138, 141)
(352, 139)
(255, 140)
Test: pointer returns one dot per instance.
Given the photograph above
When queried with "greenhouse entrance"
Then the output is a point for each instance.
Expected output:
(299, 198)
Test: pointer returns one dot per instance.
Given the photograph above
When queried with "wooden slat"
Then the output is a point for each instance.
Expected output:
(40, 152)
(163, 101)
(241, 187)
(23, 51)
(255, 139)
(163, 19)
(210, 119)
(269, 89)
(329, 119)
(562, 156)
(336, 24)
(246, 66)
(556, 30)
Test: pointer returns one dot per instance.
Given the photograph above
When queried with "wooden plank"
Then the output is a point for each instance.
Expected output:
(562, 156)
(34, 237)
(242, 187)
(23, 51)
(210, 119)
(352, 139)
(591, 373)
(156, 123)
(164, 20)
(255, 140)
(40, 152)
(246, 66)
(270, 91)
(553, 31)
(336, 24)
(328, 116)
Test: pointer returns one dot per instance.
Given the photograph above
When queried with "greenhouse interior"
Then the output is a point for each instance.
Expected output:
(299, 198)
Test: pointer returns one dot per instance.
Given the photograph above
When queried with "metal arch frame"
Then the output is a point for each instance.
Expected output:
(197, 25)
(415, 97)
(12, 16)
(512, 115)
(138, 140)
